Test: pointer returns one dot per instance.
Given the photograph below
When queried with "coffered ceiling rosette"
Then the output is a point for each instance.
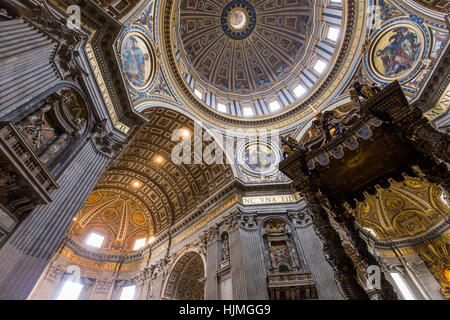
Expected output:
(258, 63)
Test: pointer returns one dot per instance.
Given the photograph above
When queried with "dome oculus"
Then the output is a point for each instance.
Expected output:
(238, 19)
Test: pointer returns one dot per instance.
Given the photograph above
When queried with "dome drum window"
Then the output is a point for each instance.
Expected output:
(241, 52)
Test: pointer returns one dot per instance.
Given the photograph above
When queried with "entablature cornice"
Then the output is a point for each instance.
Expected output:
(99, 50)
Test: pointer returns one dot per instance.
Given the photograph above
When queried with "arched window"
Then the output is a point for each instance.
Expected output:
(95, 240)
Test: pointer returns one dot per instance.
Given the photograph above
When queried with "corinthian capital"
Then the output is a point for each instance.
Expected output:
(238, 218)
(300, 218)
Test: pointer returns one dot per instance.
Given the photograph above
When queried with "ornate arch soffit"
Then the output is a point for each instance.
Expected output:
(190, 252)
(145, 170)
(181, 265)
(332, 83)
(145, 106)
(430, 8)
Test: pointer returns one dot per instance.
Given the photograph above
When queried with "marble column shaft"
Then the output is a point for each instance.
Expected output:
(322, 272)
(25, 63)
(247, 265)
(212, 255)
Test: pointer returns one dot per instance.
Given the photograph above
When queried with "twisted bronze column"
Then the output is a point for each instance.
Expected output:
(344, 270)
(347, 223)
(425, 139)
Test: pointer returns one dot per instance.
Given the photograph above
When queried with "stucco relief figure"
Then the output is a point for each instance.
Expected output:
(401, 53)
(35, 128)
(78, 111)
(4, 13)
(280, 254)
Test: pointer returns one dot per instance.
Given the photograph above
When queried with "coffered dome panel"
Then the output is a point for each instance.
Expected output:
(240, 48)
(120, 217)
(246, 59)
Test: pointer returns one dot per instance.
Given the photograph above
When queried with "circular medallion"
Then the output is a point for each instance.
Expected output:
(93, 197)
(110, 215)
(259, 158)
(394, 203)
(139, 218)
(238, 19)
(138, 60)
(415, 184)
(397, 51)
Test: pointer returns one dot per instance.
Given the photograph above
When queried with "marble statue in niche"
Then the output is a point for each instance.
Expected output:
(225, 250)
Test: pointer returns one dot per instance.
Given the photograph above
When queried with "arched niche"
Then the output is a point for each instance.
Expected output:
(288, 277)
(39, 139)
(280, 248)
(54, 124)
(186, 279)
(224, 249)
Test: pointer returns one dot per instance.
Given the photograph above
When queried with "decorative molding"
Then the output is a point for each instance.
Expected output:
(166, 22)
(300, 219)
